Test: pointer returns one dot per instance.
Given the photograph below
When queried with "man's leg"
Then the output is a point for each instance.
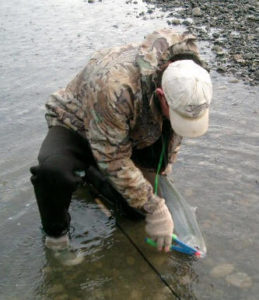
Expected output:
(54, 179)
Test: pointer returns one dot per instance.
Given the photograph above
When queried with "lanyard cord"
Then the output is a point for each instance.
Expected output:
(159, 165)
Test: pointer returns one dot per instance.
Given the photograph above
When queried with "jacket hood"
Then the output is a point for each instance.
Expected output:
(157, 49)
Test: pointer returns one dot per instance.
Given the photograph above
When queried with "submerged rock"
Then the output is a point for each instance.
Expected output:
(196, 12)
(175, 22)
(222, 270)
(241, 280)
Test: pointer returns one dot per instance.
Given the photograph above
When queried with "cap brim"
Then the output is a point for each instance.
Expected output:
(187, 127)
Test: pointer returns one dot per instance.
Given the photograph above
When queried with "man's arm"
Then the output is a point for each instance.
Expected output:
(111, 146)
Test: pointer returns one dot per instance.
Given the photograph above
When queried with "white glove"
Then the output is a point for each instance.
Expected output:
(160, 226)
(59, 243)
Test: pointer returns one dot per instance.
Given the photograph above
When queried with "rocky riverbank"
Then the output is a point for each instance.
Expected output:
(229, 26)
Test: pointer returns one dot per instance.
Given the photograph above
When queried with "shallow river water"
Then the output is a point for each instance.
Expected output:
(43, 45)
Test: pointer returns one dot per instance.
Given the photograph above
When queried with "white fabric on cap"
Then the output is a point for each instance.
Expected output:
(188, 91)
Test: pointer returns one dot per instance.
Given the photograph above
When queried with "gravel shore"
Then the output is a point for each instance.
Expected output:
(230, 27)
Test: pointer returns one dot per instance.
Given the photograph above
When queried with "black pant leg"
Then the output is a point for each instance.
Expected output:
(54, 179)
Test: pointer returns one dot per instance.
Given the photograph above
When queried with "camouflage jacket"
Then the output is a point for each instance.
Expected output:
(111, 103)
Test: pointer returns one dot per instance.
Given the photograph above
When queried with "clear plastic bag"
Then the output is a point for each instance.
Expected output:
(186, 225)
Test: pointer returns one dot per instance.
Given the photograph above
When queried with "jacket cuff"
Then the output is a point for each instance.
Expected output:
(151, 205)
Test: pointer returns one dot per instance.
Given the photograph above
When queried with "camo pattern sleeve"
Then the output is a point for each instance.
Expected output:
(109, 139)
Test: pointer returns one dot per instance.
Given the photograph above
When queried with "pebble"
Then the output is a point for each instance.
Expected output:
(186, 23)
(241, 280)
(196, 12)
(215, 35)
(175, 22)
(234, 80)
(221, 69)
(239, 58)
(218, 50)
(222, 270)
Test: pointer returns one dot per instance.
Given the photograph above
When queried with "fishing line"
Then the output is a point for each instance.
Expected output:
(146, 260)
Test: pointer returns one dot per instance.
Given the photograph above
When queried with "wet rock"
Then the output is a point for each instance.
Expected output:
(221, 69)
(234, 80)
(215, 35)
(222, 270)
(241, 280)
(249, 56)
(235, 35)
(186, 23)
(196, 12)
(218, 50)
(175, 22)
(239, 58)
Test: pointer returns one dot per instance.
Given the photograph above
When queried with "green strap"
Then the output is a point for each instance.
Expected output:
(159, 166)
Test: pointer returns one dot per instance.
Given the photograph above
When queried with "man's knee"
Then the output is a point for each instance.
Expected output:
(55, 171)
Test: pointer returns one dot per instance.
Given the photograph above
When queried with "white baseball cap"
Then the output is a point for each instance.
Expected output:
(188, 92)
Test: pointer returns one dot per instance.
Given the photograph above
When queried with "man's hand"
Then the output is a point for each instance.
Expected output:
(160, 226)
(168, 170)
